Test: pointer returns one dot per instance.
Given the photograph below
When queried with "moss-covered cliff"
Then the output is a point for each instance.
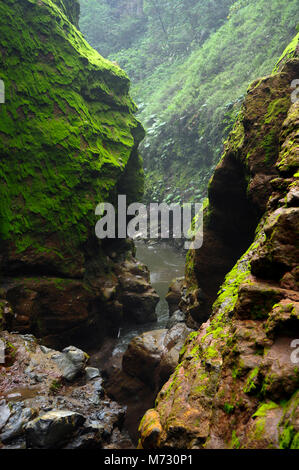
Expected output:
(68, 140)
(237, 382)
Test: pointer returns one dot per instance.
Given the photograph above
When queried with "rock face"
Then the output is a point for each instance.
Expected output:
(41, 408)
(153, 356)
(71, 362)
(52, 428)
(236, 385)
(146, 365)
(69, 140)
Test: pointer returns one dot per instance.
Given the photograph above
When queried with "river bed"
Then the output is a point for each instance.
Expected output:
(165, 264)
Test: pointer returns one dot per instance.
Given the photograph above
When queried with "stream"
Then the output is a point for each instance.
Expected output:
(165, 264)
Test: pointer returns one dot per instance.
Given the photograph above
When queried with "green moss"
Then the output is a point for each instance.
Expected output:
(259, 428)
(264, 408)
(235, 441)
(251, 385)
(67, 129)
(276, 107)
(295, 442)
(228, 293)
(288, 53)
(286, 437)
(55, 386)
(228, 408)
(270, 145)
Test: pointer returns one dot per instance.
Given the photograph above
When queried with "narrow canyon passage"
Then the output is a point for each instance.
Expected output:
(165, 264)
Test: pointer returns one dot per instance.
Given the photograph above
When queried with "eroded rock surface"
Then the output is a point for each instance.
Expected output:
(69, 141)
(236, 385)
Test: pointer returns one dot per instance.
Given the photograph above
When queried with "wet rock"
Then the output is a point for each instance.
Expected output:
(5, 413)
(143, 356)
(173, 296)
(255, 300)
(91, 373)
(172, 345)
(52, 429)
(71, 362)
(46, 350)
(48, 287)
(140, 307)
(26, 402)
(177, 317)
(236, 385)
(273, 260)
(6, 314)
(150, 429)
(19, 417)
(98, 391)
(153, 356)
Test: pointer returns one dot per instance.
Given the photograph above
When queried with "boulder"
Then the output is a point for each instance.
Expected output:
(84, 137)
(236, 385)
(153, 356)
(71, 362)
(177, 317)
(52, 429)
(173, 296)
(19, 417)
(143, 356)
(91, 373)
(137, 296)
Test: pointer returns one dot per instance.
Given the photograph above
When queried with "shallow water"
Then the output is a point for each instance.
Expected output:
(165, 264)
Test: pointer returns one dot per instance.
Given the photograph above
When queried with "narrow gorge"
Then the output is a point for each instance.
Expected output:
(120, 344)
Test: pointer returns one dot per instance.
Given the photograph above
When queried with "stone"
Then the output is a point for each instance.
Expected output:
(23, 402)
(153, 356)
(47, 261)
(173, 296)
(236, 384)
(52, 429)
(91, 373)
(177, 317)
(173, 343)
(143, 356)
(45, 350)
(150, 429)
(71, 362)
(4, 413)
(19, 417)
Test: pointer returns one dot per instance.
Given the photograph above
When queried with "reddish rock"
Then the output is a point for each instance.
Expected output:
(237, 382)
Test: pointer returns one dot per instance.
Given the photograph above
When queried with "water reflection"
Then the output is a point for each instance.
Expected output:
(165, 263)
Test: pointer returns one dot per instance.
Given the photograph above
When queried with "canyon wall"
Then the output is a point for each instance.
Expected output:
(236, 384)
(68, 141)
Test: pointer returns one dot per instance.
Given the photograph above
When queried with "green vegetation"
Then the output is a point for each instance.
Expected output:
(68, 131)
(190, 64)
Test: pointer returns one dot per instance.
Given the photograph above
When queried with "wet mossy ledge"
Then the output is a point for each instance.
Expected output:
(68, 140)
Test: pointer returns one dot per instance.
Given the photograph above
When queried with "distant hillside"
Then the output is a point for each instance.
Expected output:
(190, 63)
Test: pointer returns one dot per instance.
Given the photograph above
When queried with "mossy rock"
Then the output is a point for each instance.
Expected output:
(69, 137)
